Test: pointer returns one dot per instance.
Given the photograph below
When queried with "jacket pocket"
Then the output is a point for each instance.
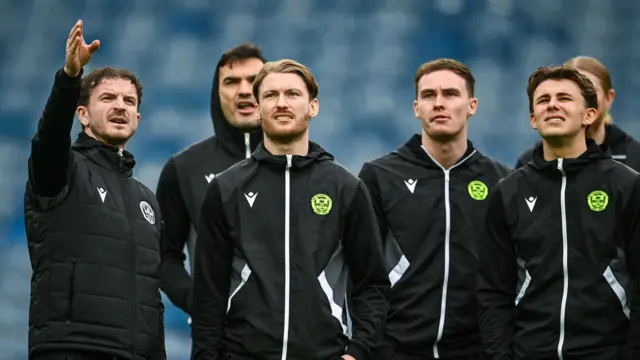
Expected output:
(71, 292)
(619, 289)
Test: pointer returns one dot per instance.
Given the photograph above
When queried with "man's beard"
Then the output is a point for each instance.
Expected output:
(289, 137)
(115, 141)
(248, 126)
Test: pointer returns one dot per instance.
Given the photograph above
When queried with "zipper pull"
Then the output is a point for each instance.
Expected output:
(247, 145)
(289, 159)
(120, 151)
(446, 176)
(560, 164)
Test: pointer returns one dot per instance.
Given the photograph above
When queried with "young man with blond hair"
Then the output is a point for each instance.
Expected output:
(279, 236)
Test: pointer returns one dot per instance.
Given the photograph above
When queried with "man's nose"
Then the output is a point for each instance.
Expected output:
(120, 103)
(281, 103)
(439, 101)
(245, 88)
(553, 104)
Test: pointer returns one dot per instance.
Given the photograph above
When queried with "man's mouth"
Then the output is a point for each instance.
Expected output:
(283, 117)
(440, 118)
(246, 107)
(118, 120)
(555, 119)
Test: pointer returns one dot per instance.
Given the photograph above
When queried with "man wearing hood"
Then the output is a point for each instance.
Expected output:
(279, 236)
(556, 270)
(185, 176)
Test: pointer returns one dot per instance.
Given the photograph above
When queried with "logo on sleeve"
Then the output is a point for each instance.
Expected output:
(147, 212)
(598, 200)
(321, 204)
(478, 190)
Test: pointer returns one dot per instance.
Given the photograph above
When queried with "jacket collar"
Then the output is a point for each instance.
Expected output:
(316, 153)
(593, 153)
(413, 151)
(108, 157)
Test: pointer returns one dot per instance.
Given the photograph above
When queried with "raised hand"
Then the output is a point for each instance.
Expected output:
(78, 52)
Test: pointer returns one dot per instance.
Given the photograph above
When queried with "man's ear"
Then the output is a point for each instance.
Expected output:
(532, 121)
(589, 117)
(473, 107)
(314, 108)
(83, 115)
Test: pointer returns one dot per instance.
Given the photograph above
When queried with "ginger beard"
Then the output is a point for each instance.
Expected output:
(285, 108)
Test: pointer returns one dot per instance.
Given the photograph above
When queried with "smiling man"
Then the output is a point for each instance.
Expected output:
(279, 236)
(430, 196)
(185, 176)
(554, 274)
(93, 230)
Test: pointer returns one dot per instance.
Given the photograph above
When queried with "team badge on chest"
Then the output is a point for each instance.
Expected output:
(321, 204)
(147, 212)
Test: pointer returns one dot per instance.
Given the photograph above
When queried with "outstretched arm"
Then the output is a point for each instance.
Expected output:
(49, 161)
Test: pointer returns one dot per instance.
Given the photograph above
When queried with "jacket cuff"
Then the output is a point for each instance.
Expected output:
(62, 79)
(357, 351)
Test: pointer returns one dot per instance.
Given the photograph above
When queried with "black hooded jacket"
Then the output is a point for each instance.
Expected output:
(182, 185)
(94, 236)
(558, 260)
(429, 220)
(278, 239)
(624, 148)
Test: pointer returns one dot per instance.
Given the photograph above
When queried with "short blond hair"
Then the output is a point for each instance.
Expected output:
(286, 66)
(595, 67)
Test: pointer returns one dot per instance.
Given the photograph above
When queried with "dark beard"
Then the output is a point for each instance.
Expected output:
(286, 139)
(248, 127)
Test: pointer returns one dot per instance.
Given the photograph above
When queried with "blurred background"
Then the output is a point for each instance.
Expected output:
(363, 53)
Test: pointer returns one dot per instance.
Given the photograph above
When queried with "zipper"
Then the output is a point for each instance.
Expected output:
(447, 247)
(133, 261)
(447, 258)
(287, 260)
(565, 258)
(247, 145)
(72, 283)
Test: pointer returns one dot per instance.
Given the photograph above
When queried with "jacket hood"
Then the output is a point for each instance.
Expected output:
(594, 152)
(316, 153)
(413, 151)
(232, 139)
(109, 157)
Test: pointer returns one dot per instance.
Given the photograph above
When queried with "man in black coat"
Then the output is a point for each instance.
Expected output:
(93, 230)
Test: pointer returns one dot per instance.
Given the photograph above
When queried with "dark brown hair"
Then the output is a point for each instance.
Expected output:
(562, 73)
(97, 76)
(454, 66)
(240, 53)
(286, 66)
